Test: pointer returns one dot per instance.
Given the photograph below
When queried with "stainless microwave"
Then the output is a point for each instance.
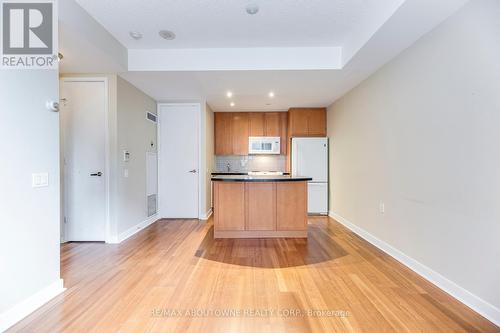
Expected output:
(264, 145)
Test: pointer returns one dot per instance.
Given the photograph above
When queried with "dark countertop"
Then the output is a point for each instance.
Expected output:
(229, 173)
(236, 173)
(246, 178)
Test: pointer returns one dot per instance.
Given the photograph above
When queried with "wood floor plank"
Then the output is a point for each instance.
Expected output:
(175, 277)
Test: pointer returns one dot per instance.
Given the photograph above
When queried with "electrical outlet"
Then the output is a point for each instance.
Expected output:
(381, 207)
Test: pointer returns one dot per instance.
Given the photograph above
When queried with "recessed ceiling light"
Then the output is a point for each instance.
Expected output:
(271, 94)
(232, 104)
(229, 94)
(166, 34)
(135, 35)
(252, 9)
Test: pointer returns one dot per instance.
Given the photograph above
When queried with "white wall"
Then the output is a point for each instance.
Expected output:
(127, 129)
(422, 135)
(208, 144)
(29, 217)
(135, 134)
(86, 45)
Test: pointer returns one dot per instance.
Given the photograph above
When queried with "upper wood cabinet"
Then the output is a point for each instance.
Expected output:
(265, 123)
(317, 122)
(256, 120)
(284, 132)
(272, 124)
(240, 133)
(297, 122)
(307, 122)
(223, 133)
(232, 130)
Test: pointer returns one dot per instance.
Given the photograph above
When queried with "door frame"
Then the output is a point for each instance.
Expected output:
(108, 237)
(158, 140)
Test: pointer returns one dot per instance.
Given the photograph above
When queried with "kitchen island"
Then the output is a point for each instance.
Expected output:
(260, 206)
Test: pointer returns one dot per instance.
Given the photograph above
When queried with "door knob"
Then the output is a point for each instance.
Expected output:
(192, 171)
(97, 174)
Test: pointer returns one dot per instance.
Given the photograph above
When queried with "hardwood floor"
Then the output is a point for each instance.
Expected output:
(177, 265)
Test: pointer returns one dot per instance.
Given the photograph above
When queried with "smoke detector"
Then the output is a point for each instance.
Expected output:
(166, 34)
(252, 9)
(135, 35)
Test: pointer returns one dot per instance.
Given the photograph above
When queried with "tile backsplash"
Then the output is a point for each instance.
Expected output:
(250, 163)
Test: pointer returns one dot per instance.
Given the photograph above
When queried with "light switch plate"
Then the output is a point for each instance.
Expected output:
(40, 179)
(125, 173)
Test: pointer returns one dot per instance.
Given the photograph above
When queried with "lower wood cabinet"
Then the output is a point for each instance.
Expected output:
(260, 209)
(229, 211)
(291, 203)
(261, 206)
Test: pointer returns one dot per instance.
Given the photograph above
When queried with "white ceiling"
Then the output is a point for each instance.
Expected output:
(309, 52)
(250, 88)
(225, 23)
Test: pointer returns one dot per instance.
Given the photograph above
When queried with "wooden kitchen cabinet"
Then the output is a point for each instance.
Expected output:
(304, 122)
(260, 209)
(291, 206)
(229, 212)
(223, 133)
(232, 130)
(240, 133)
(272, 124)
(264, 123)
(316, 124)
(261, 206)
(297, 122)
(284, 132)
(256, 123)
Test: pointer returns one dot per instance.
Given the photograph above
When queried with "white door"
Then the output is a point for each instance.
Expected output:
(310, 158)
(83, 132)
(178, 160)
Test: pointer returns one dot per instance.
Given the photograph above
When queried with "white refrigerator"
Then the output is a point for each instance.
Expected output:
(310, 159)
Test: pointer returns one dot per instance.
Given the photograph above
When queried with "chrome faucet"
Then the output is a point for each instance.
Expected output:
(228, 166)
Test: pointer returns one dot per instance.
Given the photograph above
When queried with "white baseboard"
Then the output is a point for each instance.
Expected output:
(479, 305)
(133, 230)
(26, 307)
(207, 215)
